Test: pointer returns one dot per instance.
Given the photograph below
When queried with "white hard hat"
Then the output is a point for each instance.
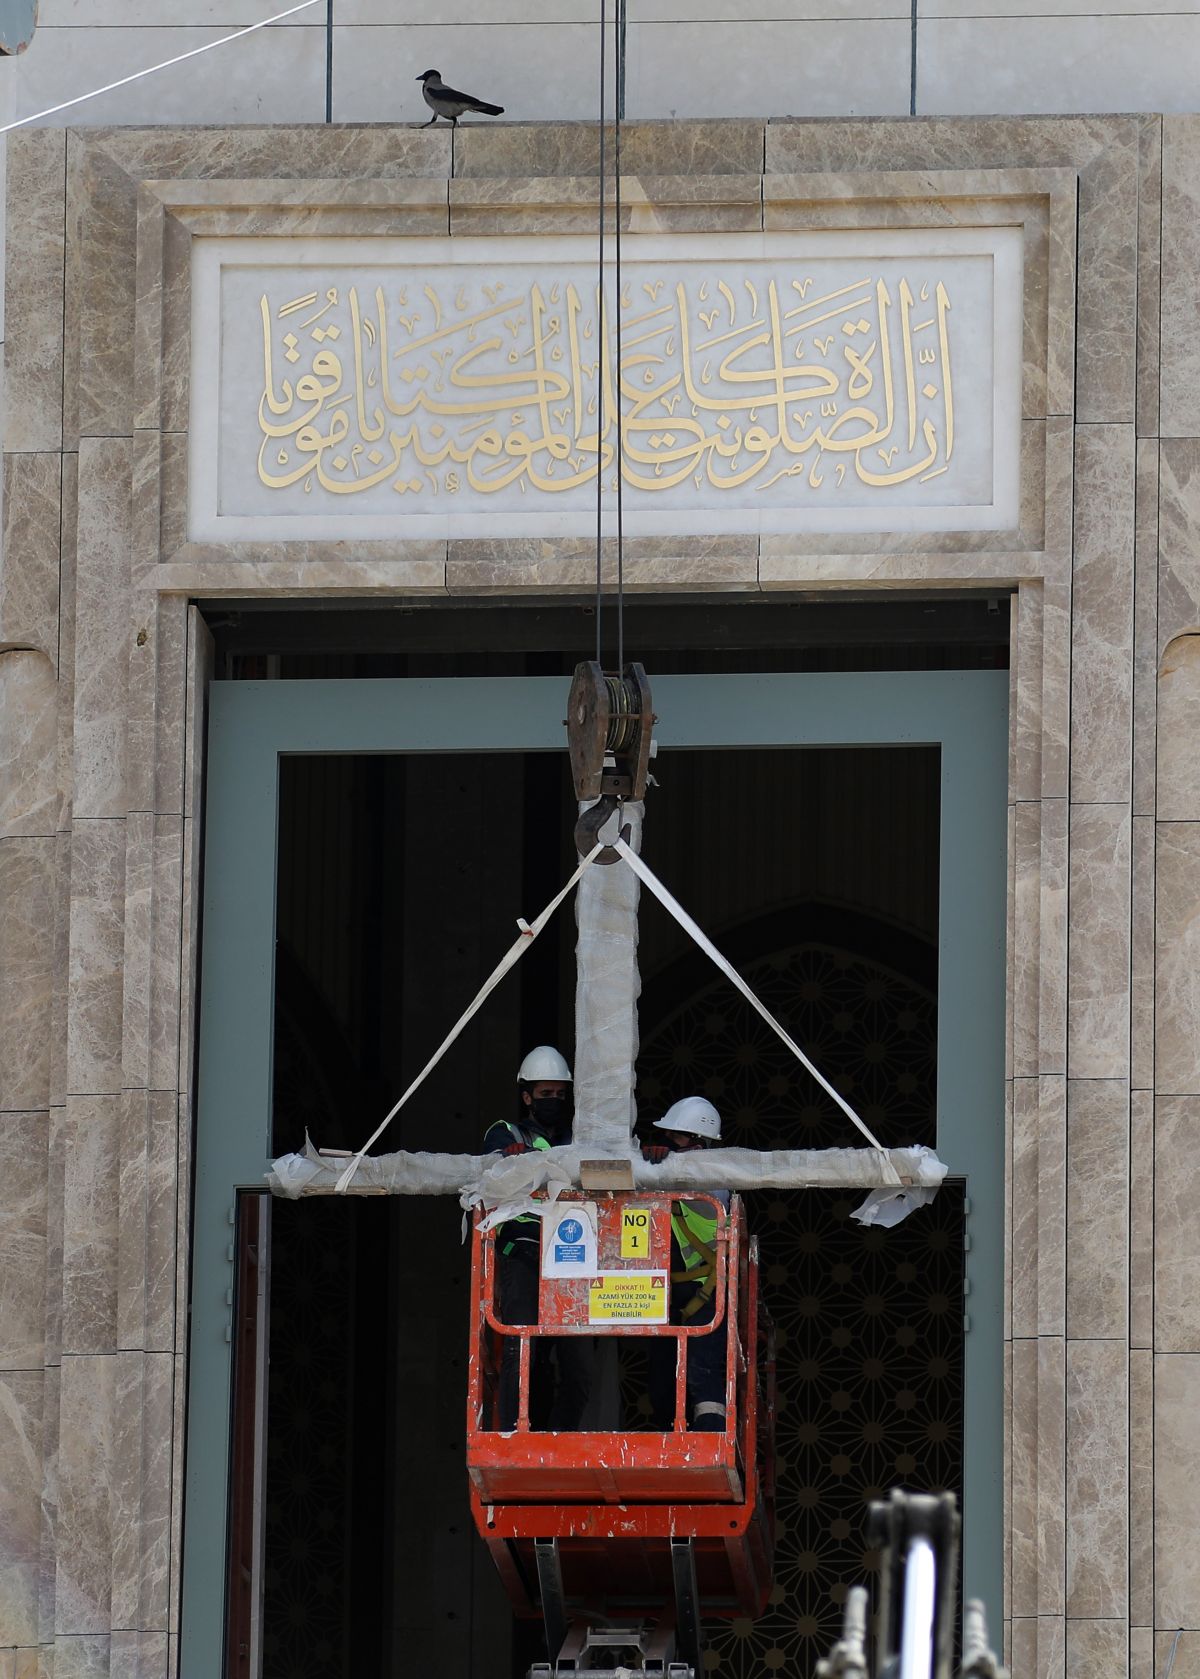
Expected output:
(694, 1114)
(543, 1065)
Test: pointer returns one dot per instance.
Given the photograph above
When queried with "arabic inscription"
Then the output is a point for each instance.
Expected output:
(788, 390)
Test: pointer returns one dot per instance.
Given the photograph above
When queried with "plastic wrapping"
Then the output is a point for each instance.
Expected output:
(606, 993)
(504, 1184)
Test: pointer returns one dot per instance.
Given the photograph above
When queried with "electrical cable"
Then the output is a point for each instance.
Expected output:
(167, 63)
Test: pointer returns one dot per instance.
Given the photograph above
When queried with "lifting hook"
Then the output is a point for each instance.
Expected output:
(587, 829)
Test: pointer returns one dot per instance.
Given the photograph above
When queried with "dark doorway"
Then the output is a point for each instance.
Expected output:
(399, 881)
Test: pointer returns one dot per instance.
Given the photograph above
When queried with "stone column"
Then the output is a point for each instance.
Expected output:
(607, 985)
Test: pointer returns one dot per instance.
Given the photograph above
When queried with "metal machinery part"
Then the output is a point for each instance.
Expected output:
(917, 1535)
(610, 741)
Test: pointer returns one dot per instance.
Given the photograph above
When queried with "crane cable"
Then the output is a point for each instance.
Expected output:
(619, 31)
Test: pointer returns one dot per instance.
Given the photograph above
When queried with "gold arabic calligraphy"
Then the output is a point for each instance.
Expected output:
(722, 385)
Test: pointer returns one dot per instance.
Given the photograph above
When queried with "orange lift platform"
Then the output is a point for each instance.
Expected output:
(622, 1539)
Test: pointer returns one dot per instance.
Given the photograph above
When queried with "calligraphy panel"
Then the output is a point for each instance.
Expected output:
(831, 380)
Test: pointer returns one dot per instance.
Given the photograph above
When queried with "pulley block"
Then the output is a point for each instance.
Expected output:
(610, 731)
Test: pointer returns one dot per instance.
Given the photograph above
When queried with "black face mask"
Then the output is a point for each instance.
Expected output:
(549, 1114)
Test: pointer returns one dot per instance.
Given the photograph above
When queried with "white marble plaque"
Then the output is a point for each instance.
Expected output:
(385, 388)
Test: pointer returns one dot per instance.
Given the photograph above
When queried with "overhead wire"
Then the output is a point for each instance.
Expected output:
(600, 341)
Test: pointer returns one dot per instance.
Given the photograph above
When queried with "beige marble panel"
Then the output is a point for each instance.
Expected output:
(731, 147)
(55, 1219)
(1178, 538)
(1051, 1204)
(1024, 1466)
(1180, 306)
(34, 258)
(276, 151)
(201, 654)
(29, 802)
(1099, 942)
(102, 626)
(1025, 771)
(1023, 1206)
(146, 1233)
(1104, 149)
(105, 199)
(1026, 936)
(60, 970)
(96, 956)
(157, 669)
(85, 1535)
(1021, 1653)
(1095, 1647)
(1051, 1477)
(91, 1179)
(1102, 614)
(153, 886)
(1141, 1218)
(1150, 181)
(1141, 1485)
(138, 1655)
(1177, 1254)
(24, 1142)
(1176, 1491)
(407, 568)
(1177, 1654)
(1052, 939)
(1141, 1653)
(21, 1402)
(1097, 1207)
(569, 566)
(1141, 1026)
(1177, 958)
(1145, 625)
(138, 944)
(27, 905)
(649, 204)
(1178, 760)
(1056, 685)
(1097, 1478)
(29, 580)
(66, 638)
(141, 1478)
(81, 1656)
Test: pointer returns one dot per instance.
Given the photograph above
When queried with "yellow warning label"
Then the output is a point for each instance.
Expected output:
(635, 1233)
(628, 1297)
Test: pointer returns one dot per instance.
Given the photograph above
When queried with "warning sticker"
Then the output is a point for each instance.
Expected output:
(635, 1233)
(569, 1240)
(628, 1297)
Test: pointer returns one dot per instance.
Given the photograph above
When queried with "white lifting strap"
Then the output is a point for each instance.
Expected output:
(529, 932)
(650, 879)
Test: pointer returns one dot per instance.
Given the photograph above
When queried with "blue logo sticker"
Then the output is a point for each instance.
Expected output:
(570, 1230)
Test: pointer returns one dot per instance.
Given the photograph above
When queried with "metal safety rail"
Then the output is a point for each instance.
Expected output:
(608, 1522)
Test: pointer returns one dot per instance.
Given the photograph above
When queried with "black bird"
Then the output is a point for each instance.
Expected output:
(447, 102)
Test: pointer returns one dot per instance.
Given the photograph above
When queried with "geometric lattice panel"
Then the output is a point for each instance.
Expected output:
(871, 1031)
(868, 1322)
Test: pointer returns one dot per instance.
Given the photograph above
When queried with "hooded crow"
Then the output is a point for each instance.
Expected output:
(447, 102)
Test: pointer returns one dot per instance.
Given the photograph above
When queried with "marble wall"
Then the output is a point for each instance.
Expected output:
(103, 668)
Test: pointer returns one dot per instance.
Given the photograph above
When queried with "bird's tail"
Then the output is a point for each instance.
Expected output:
(488, 110)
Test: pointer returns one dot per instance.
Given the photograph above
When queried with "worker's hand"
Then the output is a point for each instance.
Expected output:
(516, 1148)
(655, 1153)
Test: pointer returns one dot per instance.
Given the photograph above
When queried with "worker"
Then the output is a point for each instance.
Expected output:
(543, 1120)
(692, 1123)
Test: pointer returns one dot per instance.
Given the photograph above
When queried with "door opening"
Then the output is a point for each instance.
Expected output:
(817, 871)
